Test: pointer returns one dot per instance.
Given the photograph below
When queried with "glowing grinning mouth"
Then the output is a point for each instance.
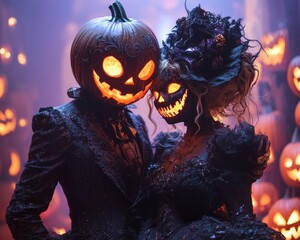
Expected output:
(292, 233)
(294, 174)
(117, 94)
(173, 110)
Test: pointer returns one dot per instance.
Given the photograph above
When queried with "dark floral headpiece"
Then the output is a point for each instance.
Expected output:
(206, 46)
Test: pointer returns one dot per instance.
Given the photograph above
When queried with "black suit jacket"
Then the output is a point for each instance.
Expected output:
(69, 146)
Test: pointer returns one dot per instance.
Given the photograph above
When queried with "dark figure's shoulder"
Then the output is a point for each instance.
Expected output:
(240, 149)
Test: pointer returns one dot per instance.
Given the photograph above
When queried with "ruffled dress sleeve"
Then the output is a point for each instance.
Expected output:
(35, 188)
(241, 156)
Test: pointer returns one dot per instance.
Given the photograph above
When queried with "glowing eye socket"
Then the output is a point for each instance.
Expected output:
(156, 94)
(112, 67)
(279, 219)
(288, 163)
(147, 70)
(173, 87)
(296, 72)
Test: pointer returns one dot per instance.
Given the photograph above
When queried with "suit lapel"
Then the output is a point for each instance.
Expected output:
(103, 154)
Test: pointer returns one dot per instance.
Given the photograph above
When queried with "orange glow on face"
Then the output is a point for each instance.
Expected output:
(173, 87)
(115, 94)
(173, 110)
(112, 67)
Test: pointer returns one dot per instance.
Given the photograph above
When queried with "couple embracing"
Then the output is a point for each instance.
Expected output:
(192, 185)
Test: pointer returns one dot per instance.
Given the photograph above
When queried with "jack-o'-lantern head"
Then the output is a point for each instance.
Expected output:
(275, 49)
(290, 161)
(293, 75)
(284, 216)
(115, 58)
(172, 97)
(264, 195)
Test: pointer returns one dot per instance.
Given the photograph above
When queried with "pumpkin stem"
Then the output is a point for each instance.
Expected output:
(290, 193)
(118, 13)
(296, 135)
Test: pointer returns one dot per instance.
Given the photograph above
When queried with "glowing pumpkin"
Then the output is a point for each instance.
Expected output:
(115, 58)
(284, 216)
(275, 48)
(172, 97)
(3, 85)
(10, 162)
(264, 195)
(8, 121)
(271, 121)
(273, 124)
(293, 75)
(290, 162)
(297, 114)
(7, 190)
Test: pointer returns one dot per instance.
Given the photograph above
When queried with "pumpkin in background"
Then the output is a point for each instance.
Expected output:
(264, 195)
(275, 50)
(10, 162)
(284, 216)
(7, 190)
(290, 161)
(271, 121)
(115, 58)
(297, 114)
(8, 120)
(3, 85)
(293, 75)
(53, 206)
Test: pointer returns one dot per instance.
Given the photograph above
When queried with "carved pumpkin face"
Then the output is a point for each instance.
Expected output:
(264, 195)
(290, 164)
(115, 59)
(284, 216)
(172, 97)
(8, 121)
(275, 47)
(293, 75)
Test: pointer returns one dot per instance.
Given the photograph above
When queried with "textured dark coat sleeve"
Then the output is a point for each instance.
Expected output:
(35, 188)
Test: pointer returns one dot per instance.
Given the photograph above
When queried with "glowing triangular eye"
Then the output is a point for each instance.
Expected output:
(294, 217)
(112, 67)
(279, 219)
(288, 163)
(147, 70)
(173, 87)
(155, 94)
(296, 72)
(265, 200)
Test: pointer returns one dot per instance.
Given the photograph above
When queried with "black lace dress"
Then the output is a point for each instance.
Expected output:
(208, 196)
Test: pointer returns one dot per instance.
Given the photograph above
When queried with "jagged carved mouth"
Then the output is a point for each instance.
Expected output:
(294, 174)
(292, 233)
(173, 109)
(116, 94)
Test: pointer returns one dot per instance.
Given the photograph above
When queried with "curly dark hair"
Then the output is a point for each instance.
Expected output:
(211, 56)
